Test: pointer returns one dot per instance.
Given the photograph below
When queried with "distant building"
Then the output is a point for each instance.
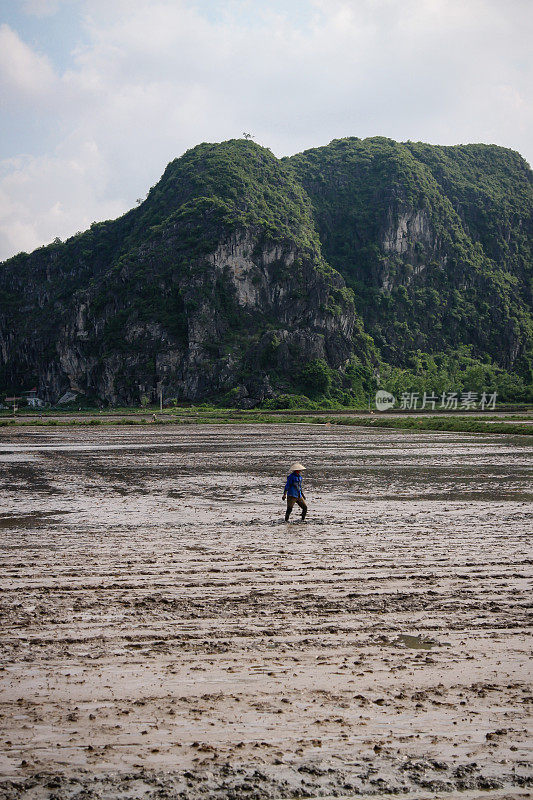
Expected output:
(32, 399)
(36, 402)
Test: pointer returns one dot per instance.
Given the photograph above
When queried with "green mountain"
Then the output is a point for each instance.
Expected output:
(435, 241)
(242, 277)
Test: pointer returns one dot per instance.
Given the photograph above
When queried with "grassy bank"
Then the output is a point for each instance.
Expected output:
(460, 424)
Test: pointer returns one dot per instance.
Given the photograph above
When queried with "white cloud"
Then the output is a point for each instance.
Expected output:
(45, 197)
(159, 76)
(24, 75)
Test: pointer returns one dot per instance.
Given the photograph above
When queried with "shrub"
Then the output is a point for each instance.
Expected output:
(316, 377)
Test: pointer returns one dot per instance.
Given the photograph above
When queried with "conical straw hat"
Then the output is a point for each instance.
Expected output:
(296, 467)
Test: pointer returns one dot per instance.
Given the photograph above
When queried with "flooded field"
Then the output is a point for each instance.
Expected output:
(166, 635)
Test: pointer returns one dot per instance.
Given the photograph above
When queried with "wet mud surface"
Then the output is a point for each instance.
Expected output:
(166, 635)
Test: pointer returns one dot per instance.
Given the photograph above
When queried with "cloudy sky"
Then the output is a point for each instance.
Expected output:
(98, 95)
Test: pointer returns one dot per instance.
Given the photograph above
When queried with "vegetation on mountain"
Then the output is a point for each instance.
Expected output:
(436, 243)
(250, 279)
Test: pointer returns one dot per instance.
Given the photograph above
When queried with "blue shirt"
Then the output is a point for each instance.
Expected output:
(293, 487)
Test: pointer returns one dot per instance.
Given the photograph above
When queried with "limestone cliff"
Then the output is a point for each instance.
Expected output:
(211, 299)
(243, 276)
(435, 241)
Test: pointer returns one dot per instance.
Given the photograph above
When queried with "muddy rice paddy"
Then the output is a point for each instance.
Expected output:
(166, 635)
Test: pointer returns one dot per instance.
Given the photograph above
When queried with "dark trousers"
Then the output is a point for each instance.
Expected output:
(290, 505)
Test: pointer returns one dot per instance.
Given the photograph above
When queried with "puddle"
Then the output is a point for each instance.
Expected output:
(26, 520)
(414, 642)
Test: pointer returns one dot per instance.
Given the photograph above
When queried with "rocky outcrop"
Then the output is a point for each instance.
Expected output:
(231, 278)
(253, 316)
(403, 230)
(435, 241)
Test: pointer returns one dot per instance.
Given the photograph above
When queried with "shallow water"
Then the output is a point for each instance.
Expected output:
(415, 642)
(155, 606)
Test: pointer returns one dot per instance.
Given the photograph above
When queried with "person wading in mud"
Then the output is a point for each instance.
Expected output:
(293, 491)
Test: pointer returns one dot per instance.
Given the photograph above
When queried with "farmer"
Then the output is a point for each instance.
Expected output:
(293, 490)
